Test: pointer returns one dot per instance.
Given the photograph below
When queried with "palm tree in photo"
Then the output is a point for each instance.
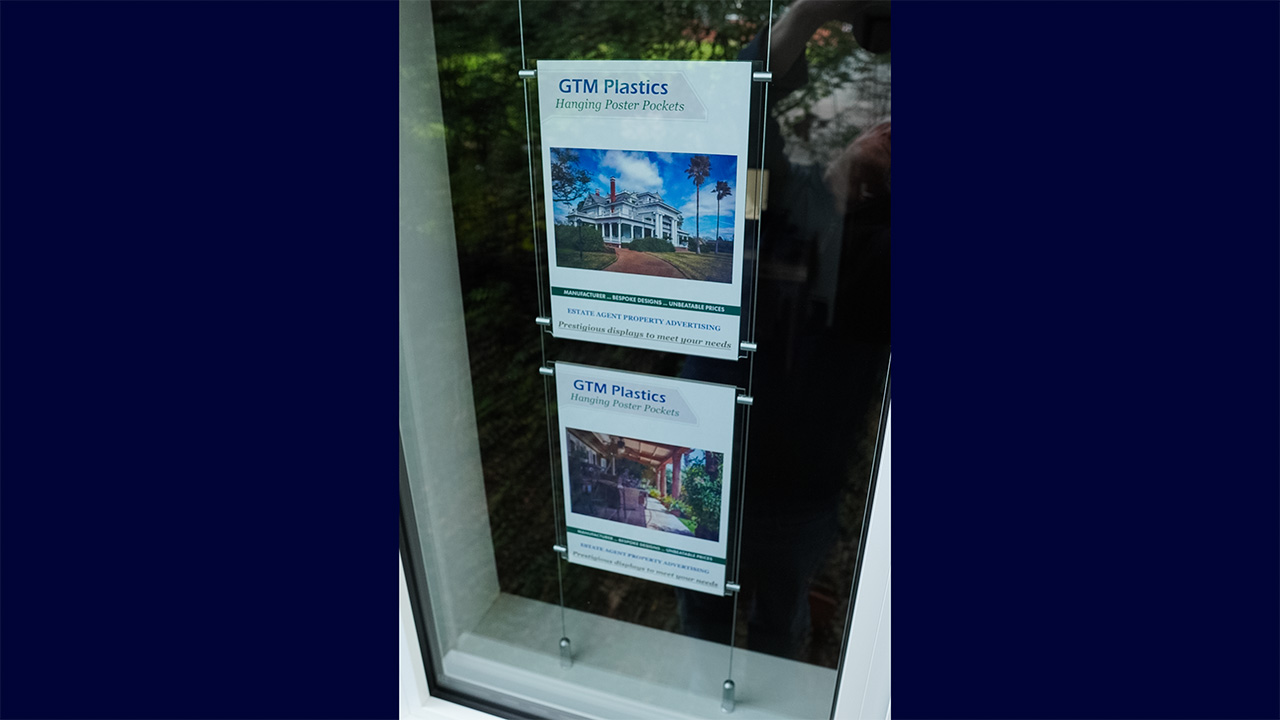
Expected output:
(722, 191)
(698, 170)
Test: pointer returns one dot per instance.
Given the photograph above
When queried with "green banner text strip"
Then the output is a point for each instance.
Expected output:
(646, 546)
(647, 301)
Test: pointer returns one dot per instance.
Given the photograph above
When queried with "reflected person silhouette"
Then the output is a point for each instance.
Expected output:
(822, 329)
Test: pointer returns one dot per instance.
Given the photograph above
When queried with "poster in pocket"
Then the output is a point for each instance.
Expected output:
(646, 466)
(644, 167)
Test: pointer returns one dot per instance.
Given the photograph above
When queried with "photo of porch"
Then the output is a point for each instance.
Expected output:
(644, 484)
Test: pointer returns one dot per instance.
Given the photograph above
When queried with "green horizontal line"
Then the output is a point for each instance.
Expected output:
(646, 546)
(647, 301)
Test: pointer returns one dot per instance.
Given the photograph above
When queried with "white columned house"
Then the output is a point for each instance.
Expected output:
(624, 216)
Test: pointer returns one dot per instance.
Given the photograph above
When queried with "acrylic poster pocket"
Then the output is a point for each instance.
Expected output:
(645, 172)
(646, 466)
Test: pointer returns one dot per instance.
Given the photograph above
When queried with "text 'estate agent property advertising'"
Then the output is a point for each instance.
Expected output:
(645, 173)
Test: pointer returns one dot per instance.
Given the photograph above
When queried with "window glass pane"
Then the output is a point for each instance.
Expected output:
(475, 412)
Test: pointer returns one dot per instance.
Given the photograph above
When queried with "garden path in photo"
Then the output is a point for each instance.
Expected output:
(656, 517)
(638, 263)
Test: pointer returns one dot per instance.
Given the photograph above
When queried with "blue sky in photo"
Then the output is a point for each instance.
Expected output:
(696, 455)
(663, 173)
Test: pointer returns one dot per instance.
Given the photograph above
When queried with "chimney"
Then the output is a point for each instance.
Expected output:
(613, 197)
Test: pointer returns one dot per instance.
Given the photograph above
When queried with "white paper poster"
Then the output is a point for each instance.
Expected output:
(644, 165)
(647, 463)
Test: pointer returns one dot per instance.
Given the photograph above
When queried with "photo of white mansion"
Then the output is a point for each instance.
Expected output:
(624, 216)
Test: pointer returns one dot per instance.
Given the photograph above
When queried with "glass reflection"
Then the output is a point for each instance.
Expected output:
(823, 305)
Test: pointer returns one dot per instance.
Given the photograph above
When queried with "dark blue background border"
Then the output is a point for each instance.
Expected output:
(1085, 325)
(199, 360)
(198, 316)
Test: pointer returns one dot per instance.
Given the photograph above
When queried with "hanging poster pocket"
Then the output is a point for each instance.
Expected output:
(645, 171)
(646, 466)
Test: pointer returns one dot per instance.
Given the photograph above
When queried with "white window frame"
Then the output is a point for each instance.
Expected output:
(437, 427)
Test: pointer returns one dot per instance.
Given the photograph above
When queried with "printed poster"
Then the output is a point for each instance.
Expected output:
(644, 166)
(647, 462)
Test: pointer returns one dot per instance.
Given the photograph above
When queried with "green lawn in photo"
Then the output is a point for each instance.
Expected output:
(716, 268)
(587, 261)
